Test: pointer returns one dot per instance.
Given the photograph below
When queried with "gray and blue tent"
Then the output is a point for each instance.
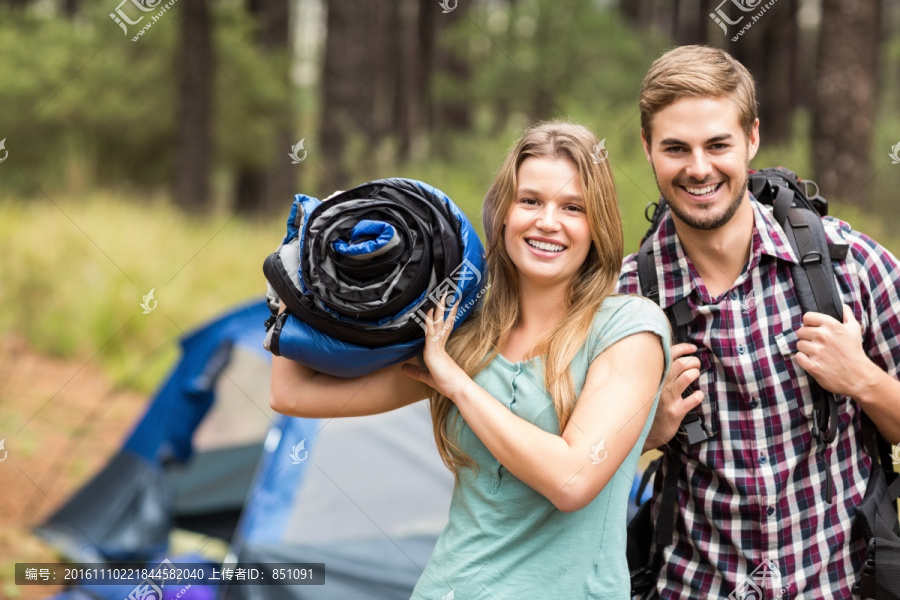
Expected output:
(367, 496)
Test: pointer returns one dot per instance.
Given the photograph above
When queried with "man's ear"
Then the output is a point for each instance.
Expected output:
(646, 146)
(753, 140)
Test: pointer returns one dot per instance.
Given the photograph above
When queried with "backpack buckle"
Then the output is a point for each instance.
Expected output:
(811, 258)
(826, 436)
(865, 582)
(696, 431)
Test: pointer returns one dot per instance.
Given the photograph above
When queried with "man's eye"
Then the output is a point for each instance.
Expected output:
(719, 147)
(673, 149)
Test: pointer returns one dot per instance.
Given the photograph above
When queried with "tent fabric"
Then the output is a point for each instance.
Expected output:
(368, 496)
(122, 514)
(378, 476)
(369, 500)
(360, 271)
(128, 509)
(215, 480)
(164, 433)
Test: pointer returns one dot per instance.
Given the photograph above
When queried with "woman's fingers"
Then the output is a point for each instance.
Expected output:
(686, 378)
(454, 311)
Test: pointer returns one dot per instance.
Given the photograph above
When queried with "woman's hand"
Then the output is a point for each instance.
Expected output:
(442, 374)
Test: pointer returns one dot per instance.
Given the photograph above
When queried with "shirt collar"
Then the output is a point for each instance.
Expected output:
(677, 276)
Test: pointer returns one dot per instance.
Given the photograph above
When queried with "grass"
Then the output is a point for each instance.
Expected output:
(75, 272)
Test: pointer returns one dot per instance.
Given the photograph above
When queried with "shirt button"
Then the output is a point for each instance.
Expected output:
(734, 295)
(770, 511)
(740, 349)
(754, 403)
(762, 459)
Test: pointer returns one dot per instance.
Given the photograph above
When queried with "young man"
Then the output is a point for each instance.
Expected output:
(753, 494)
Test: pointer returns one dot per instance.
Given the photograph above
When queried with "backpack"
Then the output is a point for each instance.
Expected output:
(800, 216)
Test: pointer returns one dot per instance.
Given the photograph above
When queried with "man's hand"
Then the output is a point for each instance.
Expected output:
(832, 353)
(672, 407)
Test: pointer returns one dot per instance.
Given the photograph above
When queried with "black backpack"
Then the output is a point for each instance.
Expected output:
(799, 215)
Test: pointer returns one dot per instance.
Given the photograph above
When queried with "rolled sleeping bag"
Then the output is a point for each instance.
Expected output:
(359, 272)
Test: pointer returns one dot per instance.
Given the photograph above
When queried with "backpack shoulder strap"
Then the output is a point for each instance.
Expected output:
(816, 289)
(813, 275)
(647, 270)
(679, 315)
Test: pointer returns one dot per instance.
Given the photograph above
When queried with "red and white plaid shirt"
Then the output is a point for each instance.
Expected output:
(751, 498)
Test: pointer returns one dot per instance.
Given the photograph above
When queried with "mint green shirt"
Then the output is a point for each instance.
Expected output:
(505, 540)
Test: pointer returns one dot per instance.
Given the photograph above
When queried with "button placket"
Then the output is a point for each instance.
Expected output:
(514, 386)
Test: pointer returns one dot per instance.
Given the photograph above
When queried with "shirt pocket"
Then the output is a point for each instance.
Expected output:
(793, 376)
(798, 381)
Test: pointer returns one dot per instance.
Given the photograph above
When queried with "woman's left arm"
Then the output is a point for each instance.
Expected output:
(572, 468)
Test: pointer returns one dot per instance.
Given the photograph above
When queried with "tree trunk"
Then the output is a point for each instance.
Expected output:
(407, 98)
(542, 103)
(454, 114)
(665, 17)
(429, 28)
(260, 191)
(195, 95)
(844, 103)
(71, 8)
(639, 12)
(782, 73)
(692, 18)
(769, 50)
(355, 69)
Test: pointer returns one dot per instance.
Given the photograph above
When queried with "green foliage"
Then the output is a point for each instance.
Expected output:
(541, 59)
(86, 106)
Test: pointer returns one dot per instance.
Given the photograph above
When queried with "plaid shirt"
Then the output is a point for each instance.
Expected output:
(751, 497)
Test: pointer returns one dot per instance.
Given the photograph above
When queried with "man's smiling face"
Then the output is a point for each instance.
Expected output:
(700, 156)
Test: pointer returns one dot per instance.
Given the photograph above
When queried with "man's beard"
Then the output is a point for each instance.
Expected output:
(710, 222)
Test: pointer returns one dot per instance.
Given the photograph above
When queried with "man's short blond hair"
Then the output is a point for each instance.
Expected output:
(697, 72)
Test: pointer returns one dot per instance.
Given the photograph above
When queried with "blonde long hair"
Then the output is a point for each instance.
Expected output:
(477, 341)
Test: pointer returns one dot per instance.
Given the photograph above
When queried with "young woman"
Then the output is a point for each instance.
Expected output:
(541, 400)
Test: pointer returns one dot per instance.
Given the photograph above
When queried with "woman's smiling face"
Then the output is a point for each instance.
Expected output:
(547, 235)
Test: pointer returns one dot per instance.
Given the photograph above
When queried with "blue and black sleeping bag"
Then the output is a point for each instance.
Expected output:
(359, 271)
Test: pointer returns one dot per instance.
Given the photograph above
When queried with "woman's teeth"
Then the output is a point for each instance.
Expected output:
(547, 247)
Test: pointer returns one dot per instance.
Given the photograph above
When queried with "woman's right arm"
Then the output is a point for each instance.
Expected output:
(299, 391)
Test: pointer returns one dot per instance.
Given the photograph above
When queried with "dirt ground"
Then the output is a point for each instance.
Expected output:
(61, 421)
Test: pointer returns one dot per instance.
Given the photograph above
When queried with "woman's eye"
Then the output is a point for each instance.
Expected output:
(575, 208)
(528, 201)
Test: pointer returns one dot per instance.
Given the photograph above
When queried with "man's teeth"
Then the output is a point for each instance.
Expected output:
(703, 191)
(545, 246)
